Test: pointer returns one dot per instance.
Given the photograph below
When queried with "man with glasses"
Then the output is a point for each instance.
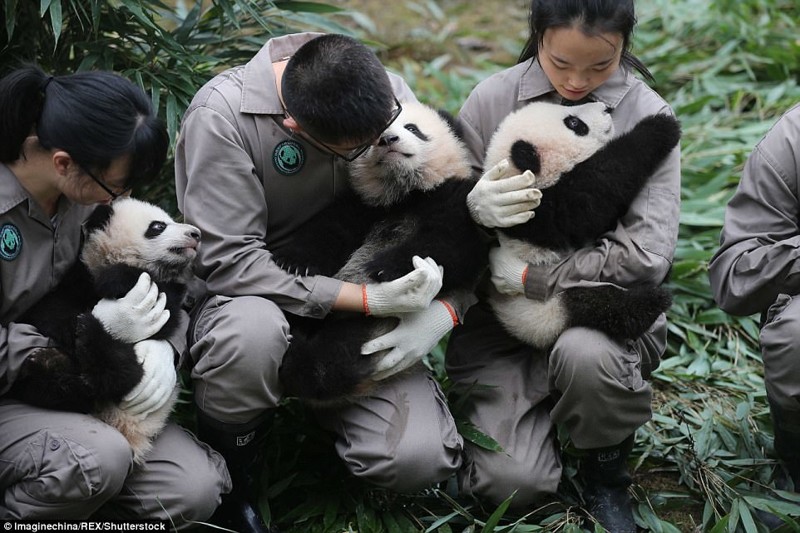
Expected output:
(263, 147)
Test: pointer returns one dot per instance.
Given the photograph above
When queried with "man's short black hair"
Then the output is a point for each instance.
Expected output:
(338, 90)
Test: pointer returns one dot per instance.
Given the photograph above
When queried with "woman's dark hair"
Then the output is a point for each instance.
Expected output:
(94, 116)
(337, 90)
(592, 17)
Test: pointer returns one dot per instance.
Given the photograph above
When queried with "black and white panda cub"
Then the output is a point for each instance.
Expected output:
(88, 370)
(410, 199)
(588, 178)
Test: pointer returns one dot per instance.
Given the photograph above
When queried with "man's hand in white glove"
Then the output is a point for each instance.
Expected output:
(158, 382)
(412, 292)
(508, 271)
(415, 336)
(501, 200)
(138, 315)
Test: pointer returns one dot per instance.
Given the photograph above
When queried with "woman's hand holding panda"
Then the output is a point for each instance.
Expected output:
(501, 200)
(412, 292)
(138, 315)
(155, 388)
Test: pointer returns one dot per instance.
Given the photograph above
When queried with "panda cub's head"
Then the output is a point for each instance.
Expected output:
(418, 151)
(141, 235)
(550, 139)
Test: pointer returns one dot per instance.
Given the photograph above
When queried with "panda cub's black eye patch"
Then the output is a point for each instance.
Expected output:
(578, 126)
(416, 131)
(155, 229)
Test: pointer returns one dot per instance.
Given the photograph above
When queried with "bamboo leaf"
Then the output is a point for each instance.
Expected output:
(498, 513)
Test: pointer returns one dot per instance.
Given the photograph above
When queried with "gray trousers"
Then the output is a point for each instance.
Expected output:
(588, 383)
(402, 437)
(780, 351)
(72, 466)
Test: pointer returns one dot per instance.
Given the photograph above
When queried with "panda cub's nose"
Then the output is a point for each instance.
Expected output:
(388, 140)
(608, 110)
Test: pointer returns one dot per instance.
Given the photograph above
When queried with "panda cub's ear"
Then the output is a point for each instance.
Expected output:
(99, 218)
(455, 126)
(525, 156)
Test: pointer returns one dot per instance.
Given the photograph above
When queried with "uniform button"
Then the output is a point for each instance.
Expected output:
(54, 445)
(317, 311)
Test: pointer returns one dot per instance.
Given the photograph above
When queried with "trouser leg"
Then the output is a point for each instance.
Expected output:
(401, 437)
(501, 387)
(780, 348)
(237, 345)
(57, 465)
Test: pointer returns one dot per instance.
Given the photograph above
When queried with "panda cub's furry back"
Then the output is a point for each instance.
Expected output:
(409, 199)
(588, 177)
(88, 370)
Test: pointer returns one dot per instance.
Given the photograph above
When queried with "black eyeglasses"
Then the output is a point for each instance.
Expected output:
(354, 153)
(106, 187)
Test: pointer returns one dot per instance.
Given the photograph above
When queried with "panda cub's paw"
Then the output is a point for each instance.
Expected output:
(295, 269)
(383, 269)
(46, 361)
(660, 129)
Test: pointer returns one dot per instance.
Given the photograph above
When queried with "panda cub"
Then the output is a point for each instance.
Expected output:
(88, 370)
(409, 198)
(588, 178)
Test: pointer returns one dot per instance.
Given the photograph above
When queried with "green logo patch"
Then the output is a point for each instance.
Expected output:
(288, 157)
(10, 242)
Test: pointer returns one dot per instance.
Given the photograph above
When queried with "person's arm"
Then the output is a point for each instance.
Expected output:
(17, 341)
(221, 194)
(757, 258)
(224, 197)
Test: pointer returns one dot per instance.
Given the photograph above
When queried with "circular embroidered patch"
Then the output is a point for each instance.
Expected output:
(288, 157)
(10, 242)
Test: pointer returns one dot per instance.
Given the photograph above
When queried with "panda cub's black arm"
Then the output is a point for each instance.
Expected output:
(322, 245)
(444, 231)
(588, 200)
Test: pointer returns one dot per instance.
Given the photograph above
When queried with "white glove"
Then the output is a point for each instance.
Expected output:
(138, 315)
(508, 271)
(412, 292)
(502, 200)
(412, 339)
(158, 382)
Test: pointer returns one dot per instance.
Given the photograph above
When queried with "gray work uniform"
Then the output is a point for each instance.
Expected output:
(593, 386)
(247, 182)
(56, 464)
(756, 267)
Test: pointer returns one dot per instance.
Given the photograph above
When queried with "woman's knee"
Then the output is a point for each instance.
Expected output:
(582, 355)
(76, 474)
(407, 470)
(201, 492)
(239, 343)
(496, 476)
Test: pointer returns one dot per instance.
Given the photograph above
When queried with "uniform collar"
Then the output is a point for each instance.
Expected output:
(534, 83)
(12, 193)
(259, 93)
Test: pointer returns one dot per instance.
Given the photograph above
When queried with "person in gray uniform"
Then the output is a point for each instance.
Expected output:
(262, 148)
(592, 386)
(753, 272)
(66, 144)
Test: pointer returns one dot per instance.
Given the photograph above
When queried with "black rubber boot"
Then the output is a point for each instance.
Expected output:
(605, 472)
(242, 447)
(786, 429)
